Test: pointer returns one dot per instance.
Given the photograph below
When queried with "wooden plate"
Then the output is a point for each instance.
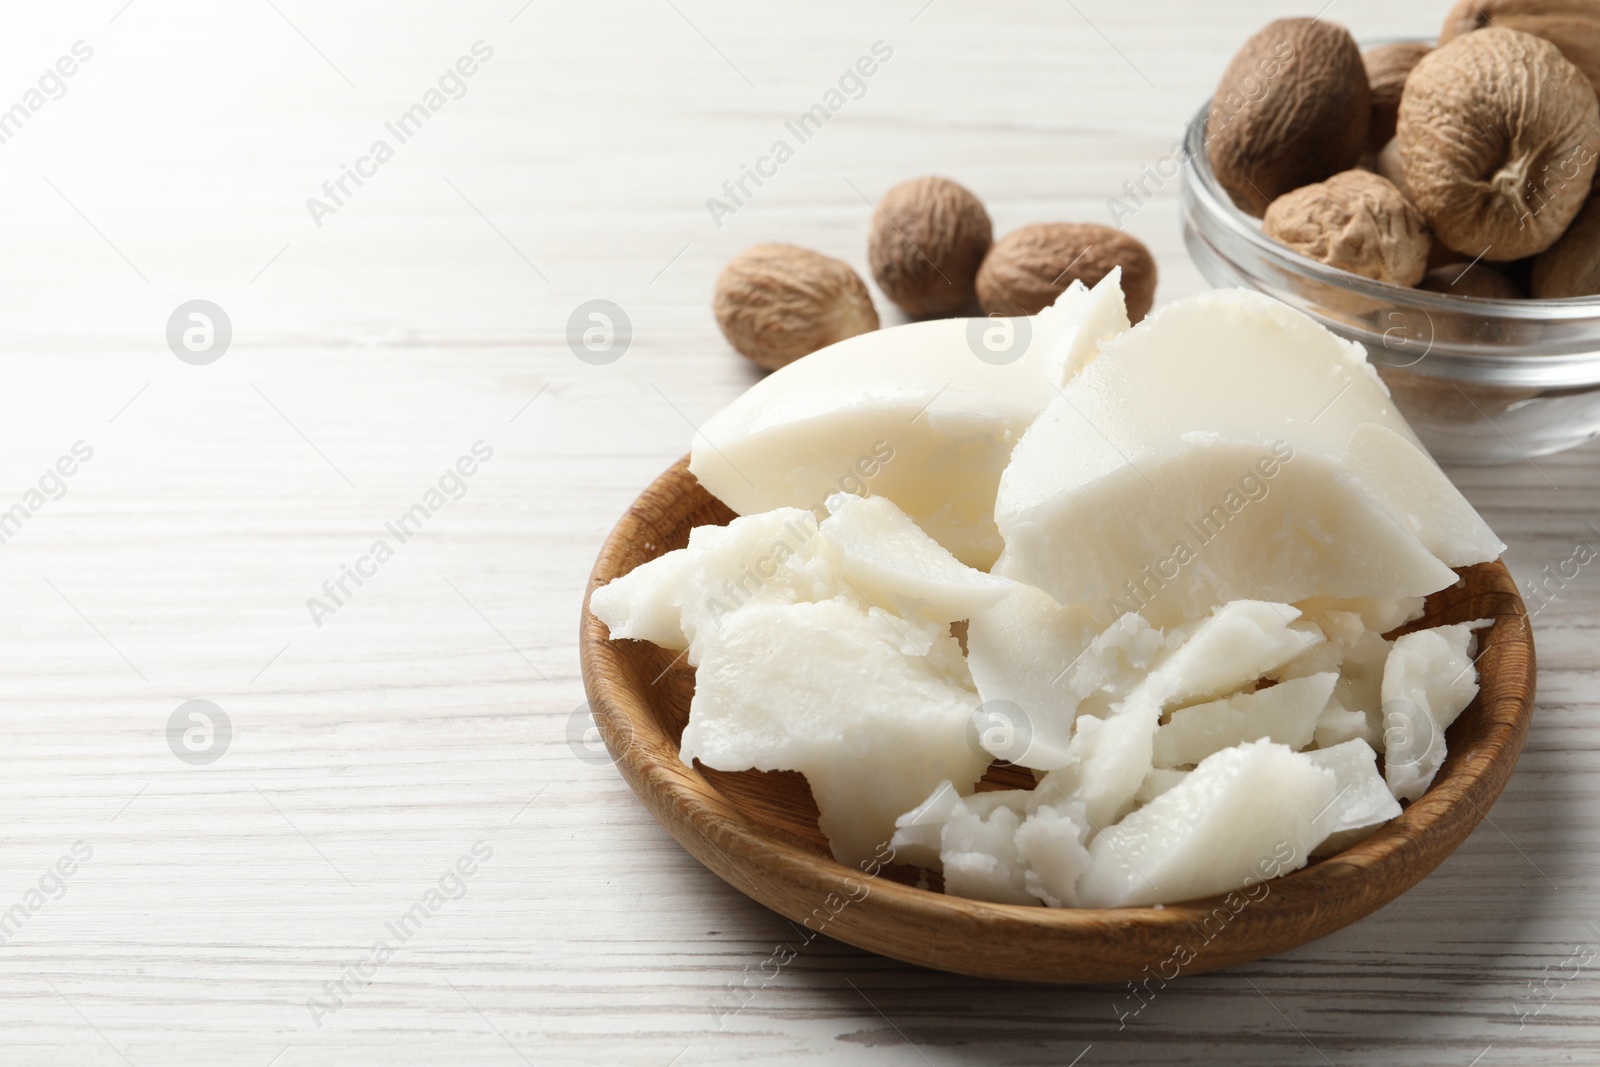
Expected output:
(758, 831)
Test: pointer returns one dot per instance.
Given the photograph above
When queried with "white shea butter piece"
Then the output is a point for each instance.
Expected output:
(1243, 815)
(1337, 725)
(1050, 846)
(1116, 663)
(1360, 685)
(1380, 615)
(1208, 452)
(1428, 679)
(978, 850)
(1408, 484)
(918, 832)
(1286, 713)
(1007, 846)
(889, 560)
(1111, 757)
(1020, 651)
(767, 558)
(1355, 708)
(924, 414)
(1158, 781)
(646, 603)
(866, 550)
(1363, 802)
(819, 689)
(1088, 319)
(1236, 644)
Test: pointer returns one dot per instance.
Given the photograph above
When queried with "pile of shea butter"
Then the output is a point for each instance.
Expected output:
(1177, 549)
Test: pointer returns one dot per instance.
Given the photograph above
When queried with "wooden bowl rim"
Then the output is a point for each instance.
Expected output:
(1308, 903)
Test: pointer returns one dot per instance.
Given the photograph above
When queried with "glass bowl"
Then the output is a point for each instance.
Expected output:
(1481, 381)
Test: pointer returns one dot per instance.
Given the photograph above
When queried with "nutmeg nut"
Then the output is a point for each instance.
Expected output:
(928, 239)
(1499, 135)
(1470, 279)
(1387, 67)
(778, 302)
(1356, 221)
(1388, 165)
(1427, 401)
(1292, 108)
(1571, 25)
(1028, 268)
(1571, 266)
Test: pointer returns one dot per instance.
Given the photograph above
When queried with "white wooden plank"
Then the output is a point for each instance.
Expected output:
(432, 711)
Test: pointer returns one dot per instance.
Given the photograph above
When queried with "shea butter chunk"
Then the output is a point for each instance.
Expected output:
(890, 560)
(1363, 802)
(1020, 651)
(925, 414)
(671, 600)
(1007, 846)
(1243, 815)
(1286, 713)
(1428, 679)
(1109, 757)
(819, 689)
(1208, 462)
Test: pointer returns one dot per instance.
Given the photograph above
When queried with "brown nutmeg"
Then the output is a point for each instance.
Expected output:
(1387, 67)
(1388, 165)
(1356, 221)
(1028, 268)
(1571, 266)
(1428, 401)
(776, 303)
(1292, 108)
(928, 239)
(1470, 279)
(1571, 25)
(1499, 135)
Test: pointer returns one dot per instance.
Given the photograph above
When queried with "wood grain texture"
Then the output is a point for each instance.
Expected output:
(758, 832)
(422, 718)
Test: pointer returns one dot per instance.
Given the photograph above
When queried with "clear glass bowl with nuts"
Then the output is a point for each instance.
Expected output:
(1482, 380)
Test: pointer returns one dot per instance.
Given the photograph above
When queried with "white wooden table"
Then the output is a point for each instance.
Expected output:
(228, 912)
